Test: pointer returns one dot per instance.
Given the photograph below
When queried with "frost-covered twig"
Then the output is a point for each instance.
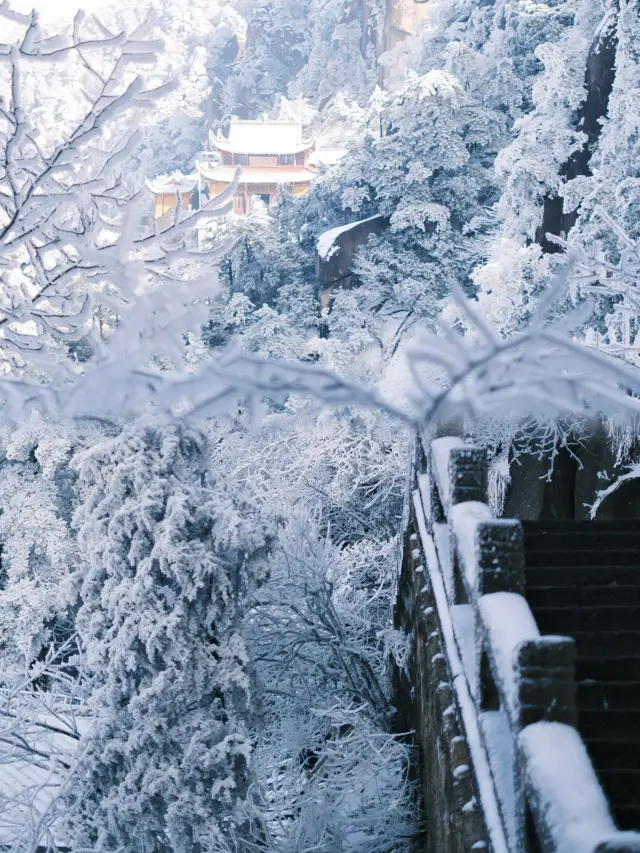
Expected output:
(73, 239)
(632, 474)
(39, 736)
(542, 370)
(618, 281)
(331, 775)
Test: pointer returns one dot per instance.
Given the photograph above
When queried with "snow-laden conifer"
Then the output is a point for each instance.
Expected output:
(170, 551)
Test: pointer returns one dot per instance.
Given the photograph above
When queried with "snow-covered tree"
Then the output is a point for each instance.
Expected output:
(330, 776)
(201, 42)
(266, 256)
(543, 172)
(172, 550)
(276, 50)
(342, 58)
(424, 161)
(73, 238)
(41, 678)
(38, 552)
(314, 50)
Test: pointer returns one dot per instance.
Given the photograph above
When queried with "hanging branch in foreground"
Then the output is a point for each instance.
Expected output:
(543, 369)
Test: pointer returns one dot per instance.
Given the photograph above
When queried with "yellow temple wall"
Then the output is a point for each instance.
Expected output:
(215, 188)
(166, 203)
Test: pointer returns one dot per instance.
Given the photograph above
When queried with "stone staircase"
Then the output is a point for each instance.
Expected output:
(521, 689)
(583, 581)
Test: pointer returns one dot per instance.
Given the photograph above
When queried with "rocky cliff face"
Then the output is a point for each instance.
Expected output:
(599, 77)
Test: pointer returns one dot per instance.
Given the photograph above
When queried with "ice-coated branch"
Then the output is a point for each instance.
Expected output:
(37, 47)
(74, 238)
(541, 370)
(39, 734)
(618, 281)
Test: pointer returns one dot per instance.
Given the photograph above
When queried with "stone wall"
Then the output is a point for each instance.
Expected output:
(336, 266)
(568, 491)
(425, 706)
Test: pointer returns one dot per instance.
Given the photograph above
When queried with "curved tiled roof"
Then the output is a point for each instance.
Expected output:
(175, 183)
(262, 137)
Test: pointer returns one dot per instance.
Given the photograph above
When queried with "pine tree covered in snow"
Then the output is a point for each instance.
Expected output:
(314, 50)
(424, 161)
(544, 173)
(200, 40)
(38, 552)
(171, 552)
(277, 49)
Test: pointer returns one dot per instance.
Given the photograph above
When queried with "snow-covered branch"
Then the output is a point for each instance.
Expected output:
(617, 281)
(542, 370)
(74, 237)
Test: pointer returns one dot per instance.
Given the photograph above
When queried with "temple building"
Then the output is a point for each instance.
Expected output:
(166, 189)
(269, 154)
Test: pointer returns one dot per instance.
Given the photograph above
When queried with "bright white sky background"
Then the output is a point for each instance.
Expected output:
(56, 9)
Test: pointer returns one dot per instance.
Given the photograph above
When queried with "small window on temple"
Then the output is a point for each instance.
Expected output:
(240, 159)
(300, 159)
(227, 159)
(286, 159)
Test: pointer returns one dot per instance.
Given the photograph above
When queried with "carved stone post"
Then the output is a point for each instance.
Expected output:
(546, 681)
(468, 475)
(546, 690)
(467, 482)
(437, 512)
(500, 550)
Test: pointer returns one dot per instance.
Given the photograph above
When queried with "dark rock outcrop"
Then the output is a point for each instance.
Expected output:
(599, 77)
(334, 263)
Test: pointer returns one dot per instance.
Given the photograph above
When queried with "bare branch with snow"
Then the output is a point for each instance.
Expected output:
(73, 233)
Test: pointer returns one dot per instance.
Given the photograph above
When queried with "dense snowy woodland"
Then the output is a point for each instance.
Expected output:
(202, 473)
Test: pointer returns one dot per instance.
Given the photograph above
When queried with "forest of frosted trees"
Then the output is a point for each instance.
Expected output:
(203, 474)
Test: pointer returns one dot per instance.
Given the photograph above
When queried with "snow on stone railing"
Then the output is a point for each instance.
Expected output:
(522, 684)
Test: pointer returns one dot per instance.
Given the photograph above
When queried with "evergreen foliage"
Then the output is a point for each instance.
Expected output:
(171, 553)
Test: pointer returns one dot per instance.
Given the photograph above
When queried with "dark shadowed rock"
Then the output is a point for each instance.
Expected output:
(337, 250)
(599, 77)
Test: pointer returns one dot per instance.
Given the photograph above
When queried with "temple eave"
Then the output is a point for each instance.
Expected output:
(223, 146)
(254, 175)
